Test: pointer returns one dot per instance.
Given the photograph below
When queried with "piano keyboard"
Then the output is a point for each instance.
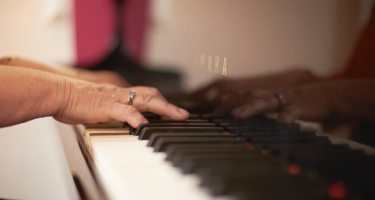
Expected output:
(208, 157)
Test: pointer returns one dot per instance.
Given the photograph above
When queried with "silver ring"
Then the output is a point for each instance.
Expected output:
(131, 97)
(279, 97)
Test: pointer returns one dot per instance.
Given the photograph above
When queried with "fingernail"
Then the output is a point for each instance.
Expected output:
(182, 111)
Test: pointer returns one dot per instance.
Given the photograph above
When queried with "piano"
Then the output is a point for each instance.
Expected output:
(218, 158)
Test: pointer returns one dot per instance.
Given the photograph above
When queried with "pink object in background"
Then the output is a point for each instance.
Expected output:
(95, 26)
(136, 23)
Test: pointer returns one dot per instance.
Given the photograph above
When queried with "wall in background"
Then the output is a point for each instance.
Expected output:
(256, 37)
(38, 29)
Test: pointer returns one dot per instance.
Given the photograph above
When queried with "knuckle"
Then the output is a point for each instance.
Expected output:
(147, 98)
(153, 91)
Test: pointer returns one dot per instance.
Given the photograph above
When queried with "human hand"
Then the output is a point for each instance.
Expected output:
(312, 102)
(86, 102)
(328, 100)
(222, 89)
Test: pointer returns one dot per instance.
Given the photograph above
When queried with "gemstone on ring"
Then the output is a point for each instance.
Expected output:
(131, 96)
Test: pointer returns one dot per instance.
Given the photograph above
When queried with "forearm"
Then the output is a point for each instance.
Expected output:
(64, 71)
(27, 94)
(83, 74)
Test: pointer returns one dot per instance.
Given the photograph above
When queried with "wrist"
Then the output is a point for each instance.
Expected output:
(61, 95)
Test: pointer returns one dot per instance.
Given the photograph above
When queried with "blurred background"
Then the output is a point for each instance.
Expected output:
(255, 36)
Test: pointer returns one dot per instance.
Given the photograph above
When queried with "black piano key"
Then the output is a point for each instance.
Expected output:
(191, 163)
(251, 129)
(264, 141)
(329, 156)
(163, 143)
(147, 131)
(333, 151)
(247, 125)
(342, 168)
(179, 121)
(207, 116)
(272, 187)
(254, 118)
(218, 168)
(278, 148)
(140, 127)
(152, 116)
(278, 134)
(173, 121)
(155, 136)
(180, 155)
(173, 148)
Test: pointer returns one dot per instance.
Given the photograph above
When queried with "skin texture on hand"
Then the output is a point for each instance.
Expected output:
(28, 94)
(96, 77)
(93, 103)
(221, 89)
(321, 101)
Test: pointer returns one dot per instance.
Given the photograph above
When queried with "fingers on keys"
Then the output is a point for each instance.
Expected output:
(147, 103)
(127, 113)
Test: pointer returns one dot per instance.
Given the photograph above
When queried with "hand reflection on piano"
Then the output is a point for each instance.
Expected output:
(311, 102)
(217, 91)
(305, 97)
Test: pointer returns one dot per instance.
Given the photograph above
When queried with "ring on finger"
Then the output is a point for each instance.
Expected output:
(131, 97)
(279, 98)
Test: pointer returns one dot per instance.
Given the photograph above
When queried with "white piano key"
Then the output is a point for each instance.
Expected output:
(129, 169)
